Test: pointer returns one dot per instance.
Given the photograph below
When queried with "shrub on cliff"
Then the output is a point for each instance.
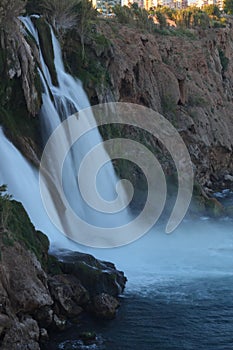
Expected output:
(212, 10)
(228, 6)
(60, 13)
(15, 225)
(161, 19)
(124, 14)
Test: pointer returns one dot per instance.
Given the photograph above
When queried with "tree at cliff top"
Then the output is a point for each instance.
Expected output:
(228, 7)
(212, 10)
(60, 13)
(66, 15)
(134, 16)
(161, 19)
(85, 14)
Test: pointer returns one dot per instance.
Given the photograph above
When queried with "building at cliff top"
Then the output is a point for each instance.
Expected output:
(147, 4)
(105, 5)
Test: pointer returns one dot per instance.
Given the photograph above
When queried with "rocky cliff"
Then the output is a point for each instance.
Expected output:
(187, 77)
(39, 293)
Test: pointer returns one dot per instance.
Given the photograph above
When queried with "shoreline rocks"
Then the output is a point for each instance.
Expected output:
(35, 300)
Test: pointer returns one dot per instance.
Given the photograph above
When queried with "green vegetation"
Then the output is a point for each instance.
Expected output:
(66, 15)
(168, 104)
(228, 7)
(13, 109)
(134, 16)
(197, 101)
(224, 61)
(15, 226)
(158, 17)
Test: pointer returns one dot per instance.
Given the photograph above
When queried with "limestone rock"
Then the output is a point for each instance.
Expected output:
(95, 275)
(188, 81)
(105, 306)
(23, 279)
(23, 335)
(68, 292)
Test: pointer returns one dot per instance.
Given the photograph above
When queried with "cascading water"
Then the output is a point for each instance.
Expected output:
(69, 97)
(179, 293)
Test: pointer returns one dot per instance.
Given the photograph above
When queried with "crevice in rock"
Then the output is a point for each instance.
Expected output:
(182, 98)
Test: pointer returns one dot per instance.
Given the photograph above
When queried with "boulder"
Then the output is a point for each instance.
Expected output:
(23, 278)
(104, 306)
(43, 335)
(228, 177)
(22, 335)
(68, 292)
(60, 322)
(95, 275)
(44, 316)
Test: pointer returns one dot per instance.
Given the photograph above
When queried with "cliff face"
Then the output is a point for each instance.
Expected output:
(188, 79)
(20, 90)
(39, 293)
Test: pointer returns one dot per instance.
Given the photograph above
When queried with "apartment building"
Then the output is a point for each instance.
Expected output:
(105, 5)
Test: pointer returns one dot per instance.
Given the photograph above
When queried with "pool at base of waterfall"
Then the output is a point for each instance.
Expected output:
(179, 294)
(172, 314)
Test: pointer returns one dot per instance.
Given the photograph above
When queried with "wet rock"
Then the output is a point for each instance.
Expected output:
(50, 300)
(95, 275)
(228, 178)
(44, 316)
(105, 306)
(68, 292)
(44, 335)
(60, 322)
(87, 336)
(214, 207)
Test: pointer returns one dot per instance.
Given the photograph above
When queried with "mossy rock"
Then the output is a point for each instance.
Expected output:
(214, 208)
(87, 336)
(90, 69)
(46, 45)
(18, 227)
(95, 275)
(14, 117)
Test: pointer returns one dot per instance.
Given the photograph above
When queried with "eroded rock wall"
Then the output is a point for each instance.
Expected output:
(189, 79)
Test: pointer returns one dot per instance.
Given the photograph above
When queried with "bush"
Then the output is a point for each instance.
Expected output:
(161, 19)
(124, 14)
(224, 60)
(60, 13)
(212, 10)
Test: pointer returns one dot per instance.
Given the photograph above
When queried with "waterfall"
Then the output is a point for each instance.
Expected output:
(59, 102)
(197, 248)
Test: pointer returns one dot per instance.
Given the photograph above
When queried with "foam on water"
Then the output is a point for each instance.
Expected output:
(196, 249)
